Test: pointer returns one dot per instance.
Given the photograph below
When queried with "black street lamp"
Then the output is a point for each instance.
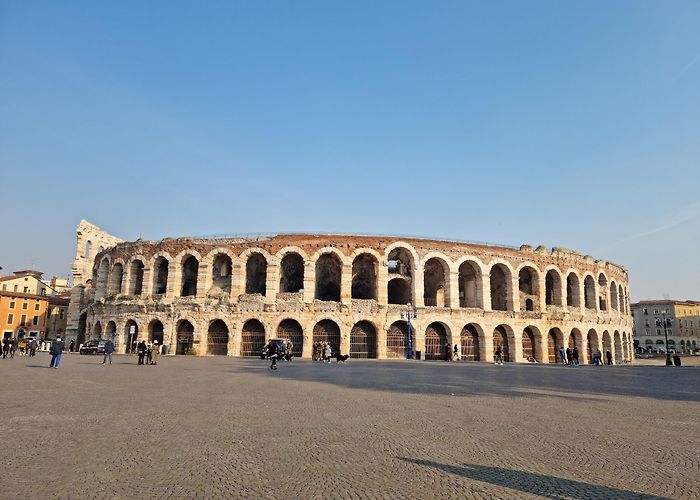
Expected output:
(666, 323)
(409, 314)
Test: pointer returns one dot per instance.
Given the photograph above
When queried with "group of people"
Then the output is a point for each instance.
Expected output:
(570, 357)
(451, 353)
(147, 353)
(274, 351)
(26, 347)
(322, 351)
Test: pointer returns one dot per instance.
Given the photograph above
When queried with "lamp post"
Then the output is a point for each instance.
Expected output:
(408, 315)
(665, 322)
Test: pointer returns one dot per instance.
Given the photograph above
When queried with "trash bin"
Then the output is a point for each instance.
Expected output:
(418, 355)
(676, 361)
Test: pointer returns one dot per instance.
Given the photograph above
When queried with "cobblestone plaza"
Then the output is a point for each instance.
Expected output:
(230, 427)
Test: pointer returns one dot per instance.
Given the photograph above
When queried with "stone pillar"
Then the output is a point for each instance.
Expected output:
(204, 278)
(452, 290)
(513, 295)
(237, 279)
(346, 283)
(382, 283)
(344, 338)
(486, 344)
(486, 291)
(309, 282)
(418, 285)
(381, 341)
(174, 279)
(518, 347)
(147, 284)
(272, 283)
(542, 295)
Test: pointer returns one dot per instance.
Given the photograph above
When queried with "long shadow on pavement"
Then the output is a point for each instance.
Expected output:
(536, 484)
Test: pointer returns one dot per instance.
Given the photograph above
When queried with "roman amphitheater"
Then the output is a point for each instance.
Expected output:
(226, 296)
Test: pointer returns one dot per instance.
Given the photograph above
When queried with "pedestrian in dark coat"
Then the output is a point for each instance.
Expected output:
(608, 356)
(6, 347)
(109, 349)
(574, 354)
(569, 356)
(56, 350)
(141, 351)
(562, 355)
(14, 346)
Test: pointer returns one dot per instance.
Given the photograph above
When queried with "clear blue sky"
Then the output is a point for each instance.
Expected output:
(573, 124)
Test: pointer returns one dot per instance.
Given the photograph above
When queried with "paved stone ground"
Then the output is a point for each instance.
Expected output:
(223, 427)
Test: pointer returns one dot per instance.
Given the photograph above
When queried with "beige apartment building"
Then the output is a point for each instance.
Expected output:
(683, 330)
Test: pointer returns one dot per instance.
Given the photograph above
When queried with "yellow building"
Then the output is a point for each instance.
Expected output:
(23, 315)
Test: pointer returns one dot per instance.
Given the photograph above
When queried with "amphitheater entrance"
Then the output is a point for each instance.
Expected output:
(160, 278)
(327, 331)
(529, 351)
(363, 340)
(190, 269)
(328, 275)
(256, 274)
(555, 340)
(364, 277)
(528, 284)
(111, 331)
(434, 272)
(221, 272)
(97, 331)
(573, 291)
(155, 332)
(291, 273)
(499, 279)
(592, 343)
(131, 335)
(290, 330)
(185, 337)
(435, 341)
(469, 340)
(500, 339)
(252, 338)
(397, 340)
(217, 338)
(136, 278)
(469, 285)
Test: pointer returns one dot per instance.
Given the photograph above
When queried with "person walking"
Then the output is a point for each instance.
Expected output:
(155, 351)
(141, 351)
(32, 348)
(574, 355)
(56, 351)
(13, 347)
(598, 357)
(290, 351)
(455, 352)
(329, 352)
(109, 349)
(569, 358)
(562, 355)
(71, 346)
(608, 356)
(274, 354)
(499, 355)
(22, 346)
(149, 354)
(6, 346)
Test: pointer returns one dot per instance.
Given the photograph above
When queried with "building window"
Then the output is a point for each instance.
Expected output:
(12, 304)
(36, 306)
(4, 288)
(10, 319)
(656, 311)
(23, 319)
(646, 311)
(646, 322)
(26, 289)
(35, 320)
(25, 305)
(15, 287)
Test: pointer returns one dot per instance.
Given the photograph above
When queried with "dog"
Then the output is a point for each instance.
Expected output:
(341, 358)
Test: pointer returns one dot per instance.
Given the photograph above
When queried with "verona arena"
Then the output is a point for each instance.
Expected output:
(229, 295)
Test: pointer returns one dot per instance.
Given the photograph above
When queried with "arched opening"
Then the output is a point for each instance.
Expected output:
(618, 347)
(625, 347)
(88, 249)
(364, 277)
(555, 342)
(434, 272)
(97, 330)
(400, 267)
(529, 352)
(499, 278)
(602, 292)
(397, 340)
(500, 340)
(136, 274)
(102, 279)
(469, 340)
(573, 291)
(328, 272)
(399, 291)
(217, 338)
(252, 338)
(572, 340)
(116, 278)
(160, 278)
(552, 282)
(529, 305)
(327, 331)
(363, 340)
(221, 273)
(256, 274)
(131, 335)
(111, 331)
(155, 332)
(291, 273)
(592, 342)
(607, 345)
(528, 285)
(190, 269)
(589, 292)
(435, 341)
(622, 303)
(185, 337)
(290, 330)
(469, 279)
(613, 297)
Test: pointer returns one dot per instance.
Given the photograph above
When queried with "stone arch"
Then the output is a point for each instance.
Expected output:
(552, 280)
(602, 291)
(189, 271)
(161, 270)
(591, 342)
(613, 296)
(217, 338)
(221, 273)
(252, 338)
(116, 279)
(291, 331)
(397, 340)
(625, 347)
(185, 336)
(607, 345)
(111, 330)
(327, 330)
(573, 290)
(329, 271)
(364, 277)
(618, 347)
(532, 344)
(156, 331)
(471, 339)
(622, 303)
(401, 262)
(131, 335)
(503, 337)
(436, 275)
(470, 283)
(363, 340)
(136, 269)
(291, 273)
(589, 292)
(102, 278)
(97, 330)
(256, 274)
(88, 249)
(436, 337)
(529, 287)
(555, 341)
(500, 281)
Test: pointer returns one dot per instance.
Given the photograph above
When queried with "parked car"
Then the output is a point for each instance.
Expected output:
(94, 346)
